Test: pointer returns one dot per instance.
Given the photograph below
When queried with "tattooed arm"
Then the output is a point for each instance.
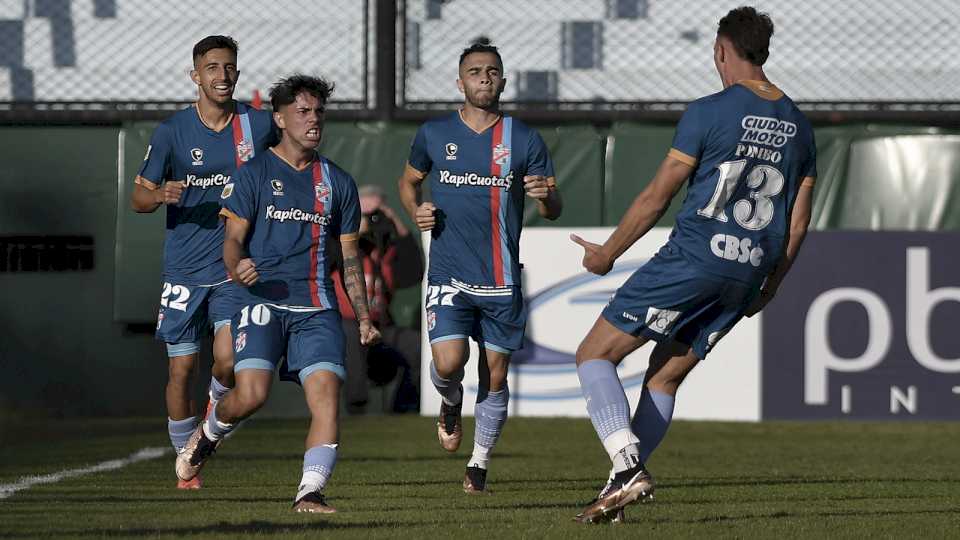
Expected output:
(356, 287)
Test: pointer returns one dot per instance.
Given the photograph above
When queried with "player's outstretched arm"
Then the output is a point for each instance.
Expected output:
(240, 267)
(147, 196)
(356, 286)
(799, 221)
(410, 185)
(642, 215)
(543, 189)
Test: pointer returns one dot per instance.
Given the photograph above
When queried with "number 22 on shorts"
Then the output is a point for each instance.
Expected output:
(180, 295)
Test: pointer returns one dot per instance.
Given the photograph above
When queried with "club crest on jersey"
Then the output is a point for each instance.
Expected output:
(244, 150)
(277, 187)
(451, 149)
(197, 155)
(501, 154)
(241, 341)
(227, 191)
(431, 320)
(323, 193)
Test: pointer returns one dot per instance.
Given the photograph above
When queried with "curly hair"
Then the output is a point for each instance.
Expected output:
(286, 90)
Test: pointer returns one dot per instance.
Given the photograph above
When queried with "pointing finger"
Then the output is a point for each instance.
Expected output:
(590, 246)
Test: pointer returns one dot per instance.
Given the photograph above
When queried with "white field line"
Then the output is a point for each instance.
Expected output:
(144, 454)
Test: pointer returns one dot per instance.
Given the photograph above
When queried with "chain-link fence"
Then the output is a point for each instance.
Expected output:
(587, 55)
(599, 53)
(139, 51)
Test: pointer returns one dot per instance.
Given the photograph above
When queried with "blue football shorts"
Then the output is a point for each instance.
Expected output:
(666, 299)
(493, 316)
(186, 311)
(298, 341)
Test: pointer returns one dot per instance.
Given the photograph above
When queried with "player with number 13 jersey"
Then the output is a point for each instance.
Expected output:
(748, 157)
(750, 148)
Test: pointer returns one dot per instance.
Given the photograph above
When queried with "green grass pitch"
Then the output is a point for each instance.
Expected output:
(716, 480)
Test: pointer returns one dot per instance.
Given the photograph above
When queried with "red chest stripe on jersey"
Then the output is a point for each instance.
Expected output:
(242, 138)
(237, 137)
(496, 169)
(315, 236)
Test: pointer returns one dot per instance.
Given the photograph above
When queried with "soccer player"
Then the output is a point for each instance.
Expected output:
(191, 157)
(750, 156)
(284, 207)
(480, 163)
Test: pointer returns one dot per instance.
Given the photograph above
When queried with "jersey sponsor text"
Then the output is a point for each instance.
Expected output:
(474, 179)
(766, 130)
(204, 182)
(296, 214)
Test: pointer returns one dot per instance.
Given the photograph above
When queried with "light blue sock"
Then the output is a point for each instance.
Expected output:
(318, 464)
(180, 431)
(450, 389)
(215, 429)
(610, 412)
(217, 390)
(651, 420)
(490, 414)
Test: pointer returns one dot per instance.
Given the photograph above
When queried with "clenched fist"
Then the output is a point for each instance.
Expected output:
(425, 216)
(369, 335)
(536, 187)
(246, 272)
(170, 192)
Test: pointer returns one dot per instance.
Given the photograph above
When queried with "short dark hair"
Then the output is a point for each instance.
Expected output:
(749, 30)
(481, 46)
(286, 90)
(210, 43)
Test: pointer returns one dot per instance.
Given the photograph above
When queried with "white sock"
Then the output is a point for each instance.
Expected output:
(480, 457)
(617, 440)
(627, 458)
(310, 482)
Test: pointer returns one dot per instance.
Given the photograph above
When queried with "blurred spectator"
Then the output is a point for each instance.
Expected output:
(392, 260)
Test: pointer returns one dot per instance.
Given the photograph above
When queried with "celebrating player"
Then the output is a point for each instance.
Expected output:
(191, 157)
(480, 163)
(750, 156)
(283, 209)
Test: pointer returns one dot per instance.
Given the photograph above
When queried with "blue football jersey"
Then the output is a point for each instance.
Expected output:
(183, 148)
(292, 215)
(750, 148)
(476, 183)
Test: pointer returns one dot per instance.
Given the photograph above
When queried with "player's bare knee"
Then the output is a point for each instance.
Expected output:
(497, 364)
(223, 368)
(181, 372)
(223, 349)
(251, 403)
(448, 366)
(449, 357)
(663, 385)
(223, 358)
(590, 349)
(249, 397)
(673, 367)
(498, 378)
